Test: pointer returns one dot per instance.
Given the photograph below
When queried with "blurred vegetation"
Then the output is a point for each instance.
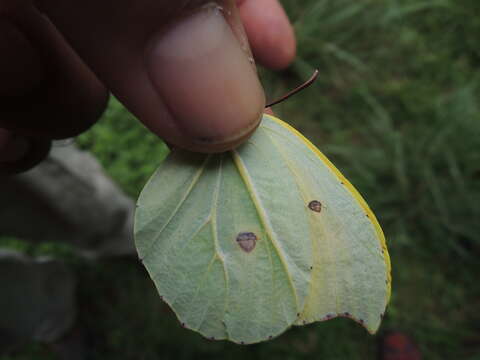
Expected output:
(396, 109)
(129, 152)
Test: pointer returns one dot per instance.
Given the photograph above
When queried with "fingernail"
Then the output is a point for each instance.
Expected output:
(206, 79)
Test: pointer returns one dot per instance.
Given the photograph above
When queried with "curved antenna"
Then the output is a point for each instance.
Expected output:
(296, 90)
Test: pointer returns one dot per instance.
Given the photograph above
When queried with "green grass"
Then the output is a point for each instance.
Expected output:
(396, 109)
(129, 152)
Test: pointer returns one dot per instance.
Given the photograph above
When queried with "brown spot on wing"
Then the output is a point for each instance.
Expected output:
(247, 241)
(315, 205)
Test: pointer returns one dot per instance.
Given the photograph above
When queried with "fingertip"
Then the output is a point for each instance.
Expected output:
(269, 31)
(19, 154)
(48, 91)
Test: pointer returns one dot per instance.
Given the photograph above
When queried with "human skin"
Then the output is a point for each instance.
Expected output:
(184, 68)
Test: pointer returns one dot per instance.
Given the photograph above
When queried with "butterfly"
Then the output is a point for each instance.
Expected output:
(244, 244)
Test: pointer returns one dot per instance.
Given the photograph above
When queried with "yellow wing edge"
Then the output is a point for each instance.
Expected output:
(356, 195)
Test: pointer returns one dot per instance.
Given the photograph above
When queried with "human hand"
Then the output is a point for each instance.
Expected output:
(183, 68)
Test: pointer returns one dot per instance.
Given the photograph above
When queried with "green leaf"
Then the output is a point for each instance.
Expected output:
(242, 245)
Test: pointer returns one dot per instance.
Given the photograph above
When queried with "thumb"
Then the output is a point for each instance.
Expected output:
(192, 80)
(206, 79)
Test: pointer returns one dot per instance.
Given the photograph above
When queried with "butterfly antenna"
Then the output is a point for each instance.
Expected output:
(296, 90)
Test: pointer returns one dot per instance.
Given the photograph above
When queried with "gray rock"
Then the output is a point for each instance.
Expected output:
(68, 198)
(37, 299)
